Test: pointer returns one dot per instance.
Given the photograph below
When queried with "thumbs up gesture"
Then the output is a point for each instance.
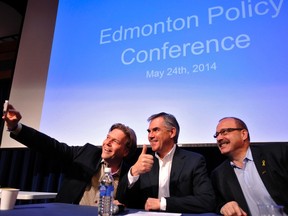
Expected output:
(144, 163)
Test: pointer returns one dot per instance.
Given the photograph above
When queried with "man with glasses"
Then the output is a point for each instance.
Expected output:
(252, 174)
(171, 179)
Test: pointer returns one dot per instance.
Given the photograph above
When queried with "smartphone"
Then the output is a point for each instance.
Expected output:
(5, 106)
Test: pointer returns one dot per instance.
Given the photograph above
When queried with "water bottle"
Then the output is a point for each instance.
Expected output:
(106, 190)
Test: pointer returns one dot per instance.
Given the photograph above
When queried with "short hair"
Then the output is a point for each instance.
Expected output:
(169, 120)
(131, 143)
(239, 124)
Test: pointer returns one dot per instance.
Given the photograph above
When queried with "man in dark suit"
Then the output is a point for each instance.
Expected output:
(83, 165)
(172, 179)
(252, 174)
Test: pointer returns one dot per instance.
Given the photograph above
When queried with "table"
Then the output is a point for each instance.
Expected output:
(32, 195)
(62, 209)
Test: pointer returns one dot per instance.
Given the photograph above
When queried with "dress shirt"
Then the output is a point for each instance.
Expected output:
(91, 194)
(164, 177)
(252, 186)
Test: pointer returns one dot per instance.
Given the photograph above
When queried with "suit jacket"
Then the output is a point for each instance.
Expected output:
(271, 161)
(80, 163)
(190, 186)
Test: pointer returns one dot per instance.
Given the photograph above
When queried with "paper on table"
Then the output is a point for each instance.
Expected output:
(154, 213)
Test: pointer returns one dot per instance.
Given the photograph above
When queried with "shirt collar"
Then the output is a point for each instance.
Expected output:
(117, 172)
(168, 156)
(248, 157)
(249, 154)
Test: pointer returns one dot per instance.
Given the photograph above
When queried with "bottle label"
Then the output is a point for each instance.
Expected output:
(110, 190)
(102, 190)
(106, 190)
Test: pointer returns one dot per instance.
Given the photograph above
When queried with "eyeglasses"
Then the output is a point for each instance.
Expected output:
(225, 131)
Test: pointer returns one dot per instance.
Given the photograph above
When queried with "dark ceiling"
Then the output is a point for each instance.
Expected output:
(19, 5)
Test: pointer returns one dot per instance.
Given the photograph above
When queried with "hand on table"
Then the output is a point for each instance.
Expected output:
(152, 204)
(232, 209)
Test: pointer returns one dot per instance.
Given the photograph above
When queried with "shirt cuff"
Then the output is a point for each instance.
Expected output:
(16, 130)
(163, 204)
(132, 179)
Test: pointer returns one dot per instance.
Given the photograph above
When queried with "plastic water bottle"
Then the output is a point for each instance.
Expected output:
(106, 190)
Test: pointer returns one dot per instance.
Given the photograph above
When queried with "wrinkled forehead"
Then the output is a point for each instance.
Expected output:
(226, 123)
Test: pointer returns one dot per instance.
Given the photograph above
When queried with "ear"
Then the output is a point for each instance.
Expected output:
(173, 132)
(126, 152)
(244, 134)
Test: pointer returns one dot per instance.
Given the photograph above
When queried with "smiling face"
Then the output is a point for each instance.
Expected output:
(231, 142)
(114, 147)
(160, 136)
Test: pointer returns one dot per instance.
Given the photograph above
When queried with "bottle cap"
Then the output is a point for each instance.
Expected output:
(107, 170)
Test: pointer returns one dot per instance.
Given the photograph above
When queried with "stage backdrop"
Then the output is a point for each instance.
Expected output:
(121, 61)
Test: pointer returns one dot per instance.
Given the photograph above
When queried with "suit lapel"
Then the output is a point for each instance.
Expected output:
(262, 166)
(176, 168)
(154, 177)
(231, 180)
(233, 186)
(260, 162)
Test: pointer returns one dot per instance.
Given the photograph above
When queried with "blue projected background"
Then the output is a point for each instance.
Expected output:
(121, 61)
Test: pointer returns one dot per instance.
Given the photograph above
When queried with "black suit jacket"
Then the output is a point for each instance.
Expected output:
(271, 161)
(80, 163)
(190, 186)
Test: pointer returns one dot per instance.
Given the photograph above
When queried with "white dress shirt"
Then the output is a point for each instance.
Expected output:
(165, 165)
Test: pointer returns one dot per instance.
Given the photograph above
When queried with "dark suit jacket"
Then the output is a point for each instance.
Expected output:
(80, 162)
(271, 161)
(190, 187)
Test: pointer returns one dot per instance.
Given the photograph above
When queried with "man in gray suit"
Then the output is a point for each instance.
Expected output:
(172, 179)
(252, 174)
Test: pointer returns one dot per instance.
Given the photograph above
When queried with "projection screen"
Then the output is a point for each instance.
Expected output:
(122, 61)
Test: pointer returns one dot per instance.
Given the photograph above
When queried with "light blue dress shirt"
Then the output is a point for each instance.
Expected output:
(252, 186)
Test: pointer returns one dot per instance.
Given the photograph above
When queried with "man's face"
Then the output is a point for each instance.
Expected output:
(160, 137)
(113, 147)
(230, 141)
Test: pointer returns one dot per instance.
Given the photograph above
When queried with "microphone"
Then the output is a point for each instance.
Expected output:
(118, 209)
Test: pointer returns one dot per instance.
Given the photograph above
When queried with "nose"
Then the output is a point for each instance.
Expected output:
(108, 141)
(150, 135)
(219, 138)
